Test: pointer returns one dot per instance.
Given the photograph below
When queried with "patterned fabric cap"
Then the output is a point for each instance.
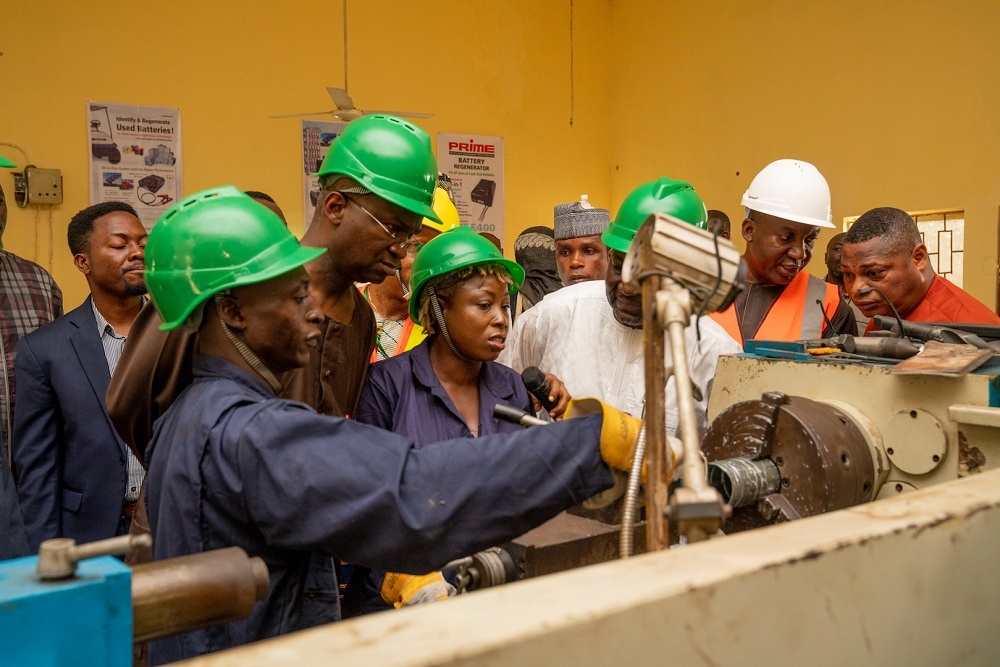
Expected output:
(534, 237)
(575, 220)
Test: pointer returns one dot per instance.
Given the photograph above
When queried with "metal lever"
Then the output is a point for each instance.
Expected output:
(57, 558)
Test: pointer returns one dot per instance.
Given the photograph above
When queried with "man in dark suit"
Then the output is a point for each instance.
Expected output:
(76, 476)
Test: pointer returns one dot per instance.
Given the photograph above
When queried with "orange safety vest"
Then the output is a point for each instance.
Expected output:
(411, 336)
(795, 315)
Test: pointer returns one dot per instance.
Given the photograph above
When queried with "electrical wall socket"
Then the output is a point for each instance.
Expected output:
(44, 186)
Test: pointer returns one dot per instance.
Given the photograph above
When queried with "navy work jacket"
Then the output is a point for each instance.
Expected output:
(404, 395)
(232, 465)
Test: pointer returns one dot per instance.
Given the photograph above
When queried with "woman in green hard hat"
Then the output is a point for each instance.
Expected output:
(445, 387)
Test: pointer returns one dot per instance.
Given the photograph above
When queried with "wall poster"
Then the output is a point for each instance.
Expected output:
(474, 163)
(317, 137)
(135, 156)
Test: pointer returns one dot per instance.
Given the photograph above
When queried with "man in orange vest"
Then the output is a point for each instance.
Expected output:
(395, 332)
(786, 204)
(884, 261)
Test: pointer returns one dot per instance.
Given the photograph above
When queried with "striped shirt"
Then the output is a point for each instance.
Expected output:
(113, 345)
(29, 298)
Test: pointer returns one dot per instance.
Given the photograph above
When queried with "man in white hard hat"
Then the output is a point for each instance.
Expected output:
(787, 204)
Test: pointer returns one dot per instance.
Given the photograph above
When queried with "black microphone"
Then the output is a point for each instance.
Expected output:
(536, 384)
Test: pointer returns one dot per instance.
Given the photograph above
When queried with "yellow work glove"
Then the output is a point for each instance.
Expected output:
(401, 590)
(619, 431)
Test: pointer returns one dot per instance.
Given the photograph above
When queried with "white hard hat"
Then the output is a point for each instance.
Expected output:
(791, 190)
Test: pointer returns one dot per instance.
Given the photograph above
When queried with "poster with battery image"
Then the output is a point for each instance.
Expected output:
(317, 137)
(135, 156)
(474, 163)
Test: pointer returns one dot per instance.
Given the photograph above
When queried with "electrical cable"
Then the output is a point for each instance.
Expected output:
(345, 48)
(572, 92)
(52, 241)
(37, 214)
(27, 160)
(164, 199)
(829, 322)
(715, 287)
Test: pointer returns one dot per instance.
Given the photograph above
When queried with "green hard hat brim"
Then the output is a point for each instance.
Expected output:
(405, 203)
(515, 270)
(288, 261)
(6, 164)
(615, 239)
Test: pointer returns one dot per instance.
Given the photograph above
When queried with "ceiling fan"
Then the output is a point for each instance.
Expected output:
(346, 111)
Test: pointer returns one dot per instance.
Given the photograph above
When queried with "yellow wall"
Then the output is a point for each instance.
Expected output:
(895, 102)
(496, 67)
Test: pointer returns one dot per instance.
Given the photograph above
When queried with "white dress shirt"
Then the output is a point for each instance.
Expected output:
(573, 334)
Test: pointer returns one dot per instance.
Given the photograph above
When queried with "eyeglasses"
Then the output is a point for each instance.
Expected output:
(407, 240)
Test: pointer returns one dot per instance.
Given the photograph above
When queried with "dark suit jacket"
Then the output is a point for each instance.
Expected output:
(71, 464)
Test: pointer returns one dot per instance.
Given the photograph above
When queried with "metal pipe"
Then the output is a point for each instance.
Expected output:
(744, 481)
(632, 496)
(695, 474)
(195, 591)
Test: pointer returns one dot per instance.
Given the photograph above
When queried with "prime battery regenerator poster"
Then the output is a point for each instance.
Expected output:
(474, 163)
(135, 156)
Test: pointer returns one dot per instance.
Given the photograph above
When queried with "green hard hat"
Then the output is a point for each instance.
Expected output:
(676, 198)
(5, 163)
(451, 250)
(389, 156)
(212, 241)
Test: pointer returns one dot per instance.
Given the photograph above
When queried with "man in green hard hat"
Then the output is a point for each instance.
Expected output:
(233, 464)
(590, 334)
(377, 185)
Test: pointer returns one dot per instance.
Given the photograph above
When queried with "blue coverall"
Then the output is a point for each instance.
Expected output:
(231, 464)
(404, 395)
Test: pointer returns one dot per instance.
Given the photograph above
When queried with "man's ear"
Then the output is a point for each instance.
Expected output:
(232, 316)
(749, 227)
(334, 204)
(919, 257)
(82, 263)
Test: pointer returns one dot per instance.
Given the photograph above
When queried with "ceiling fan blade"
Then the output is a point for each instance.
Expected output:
(404, 114)
(311, 113)
(340, 98)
